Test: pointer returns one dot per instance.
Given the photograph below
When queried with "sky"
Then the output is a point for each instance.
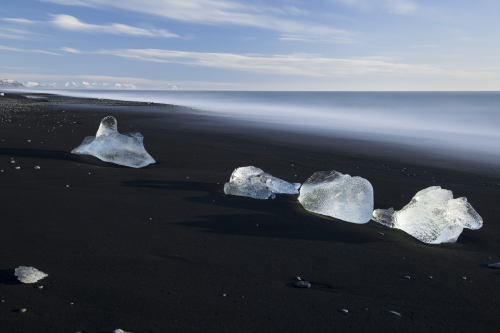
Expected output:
(309, 45)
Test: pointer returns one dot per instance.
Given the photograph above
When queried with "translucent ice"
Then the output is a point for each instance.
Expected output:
(29, 274)
(337, 195)
(110, 146)
(432, 216)
(255, 183)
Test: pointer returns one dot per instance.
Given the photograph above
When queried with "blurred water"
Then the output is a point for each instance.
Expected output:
(460, 122)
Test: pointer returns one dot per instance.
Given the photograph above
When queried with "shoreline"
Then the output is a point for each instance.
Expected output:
(156, 249)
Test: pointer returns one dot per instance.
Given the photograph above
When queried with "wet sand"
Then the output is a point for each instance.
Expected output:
(161, 249)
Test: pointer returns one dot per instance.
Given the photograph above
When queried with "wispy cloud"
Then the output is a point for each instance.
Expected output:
(393, 6)
(16, 49)
(68, 22)
(19, 20)
(294, 64)
(216, 12)
(317, 39)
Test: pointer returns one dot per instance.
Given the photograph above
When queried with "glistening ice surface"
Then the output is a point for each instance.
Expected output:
(432, 216)
(110, 146)
(255, 183)
(334, 194)
(29, 274)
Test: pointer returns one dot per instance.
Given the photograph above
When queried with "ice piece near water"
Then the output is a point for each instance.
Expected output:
(432, 216)
(255, 183)
(118, 330)
(334, 194)
(110, 146)
(29, 274)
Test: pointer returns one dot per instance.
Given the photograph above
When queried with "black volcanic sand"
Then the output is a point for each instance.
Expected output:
(161, 249)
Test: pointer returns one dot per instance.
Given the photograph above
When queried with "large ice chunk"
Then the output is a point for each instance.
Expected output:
(432, 216)
(29, 274)
(110, 146)
(255, 183)
(334, 194)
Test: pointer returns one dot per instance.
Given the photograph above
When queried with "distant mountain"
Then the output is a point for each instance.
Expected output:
(11, 84)
(31, 84)
(100, 85)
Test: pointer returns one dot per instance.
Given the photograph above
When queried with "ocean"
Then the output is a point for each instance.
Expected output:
(464, 124)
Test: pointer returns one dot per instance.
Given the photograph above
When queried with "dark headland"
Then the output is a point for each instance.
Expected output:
(161, 249)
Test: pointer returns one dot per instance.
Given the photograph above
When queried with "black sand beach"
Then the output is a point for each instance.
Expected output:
(161, 249)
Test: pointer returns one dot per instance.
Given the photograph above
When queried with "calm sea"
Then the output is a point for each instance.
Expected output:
(466, 123)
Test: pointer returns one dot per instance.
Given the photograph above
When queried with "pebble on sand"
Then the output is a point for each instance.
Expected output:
(495, 265)
(303, 284)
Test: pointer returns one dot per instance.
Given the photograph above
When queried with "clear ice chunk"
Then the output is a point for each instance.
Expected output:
(255, 183)
(433, 216)
(334, 194)
(29, 274)
(110, 146)
(383, 216)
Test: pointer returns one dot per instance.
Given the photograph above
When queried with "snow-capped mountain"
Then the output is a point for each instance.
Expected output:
(11, 84)
(99, 85)
(31, 84)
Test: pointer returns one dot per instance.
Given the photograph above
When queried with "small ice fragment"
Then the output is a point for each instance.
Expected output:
(383, 216)
(407, 277)
(302, 284)
(2, 94)
(119, 331)
(110, 146)
(12, 161)
(432, 216)
(464, 278)
(298, 278)
(23, 310)
(495, 265)
(29, 274)
(255, 183)
(36, 167)
(39, 287)
(337, 195)
(345, 311)
(395, 313)
(17, 168)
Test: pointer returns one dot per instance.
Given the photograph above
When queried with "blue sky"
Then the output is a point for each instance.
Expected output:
(258, 45)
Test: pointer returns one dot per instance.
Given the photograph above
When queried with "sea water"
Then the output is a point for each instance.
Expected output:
(462, 123)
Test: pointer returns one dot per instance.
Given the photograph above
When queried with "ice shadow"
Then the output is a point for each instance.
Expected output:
(282, 217)
(58, 155)
(7, 277)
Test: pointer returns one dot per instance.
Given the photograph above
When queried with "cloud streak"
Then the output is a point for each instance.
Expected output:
(16, 49)
(294, 64)
(215, 12)
(402, 7)
(71, 23)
